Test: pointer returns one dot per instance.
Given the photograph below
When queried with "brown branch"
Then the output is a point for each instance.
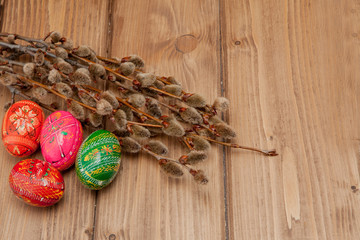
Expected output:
(233, 145)
(127, 104)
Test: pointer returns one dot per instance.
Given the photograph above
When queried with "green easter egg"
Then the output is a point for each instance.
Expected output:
(98, 160)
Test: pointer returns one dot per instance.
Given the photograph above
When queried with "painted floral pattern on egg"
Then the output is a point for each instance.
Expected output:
(61, 137)
(21, 128)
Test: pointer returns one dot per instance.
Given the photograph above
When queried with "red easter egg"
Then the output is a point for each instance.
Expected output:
(21, 128)
(60, 139)
(36, 182)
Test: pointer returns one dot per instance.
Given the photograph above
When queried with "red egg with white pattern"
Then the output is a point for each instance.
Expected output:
(21, 128)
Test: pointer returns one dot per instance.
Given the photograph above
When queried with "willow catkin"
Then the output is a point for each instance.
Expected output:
(153, 107)
(172, 80)
(39, 58)
(11, 38)
(174, 129)
(136, 100)
(130, 145)
(41, 73)
(195, 100)
(225, 130)
(82, 51)
(39, 93)
(140, 131)
(137, 61)
(146, 79)
(173, 89)
(80, 77)
(68, 44)
(191, 115)
(121, 132)
(29, 69)
(194, 157)
(110, 97)
(61, 53)
(200, 143)
(171, 169)
(158, 147)
(221, 104)
(97, 70)
(54, 76)
(103, 107)
(128, 112)
(77, 110)
(55, 36)
(63, 89)
(95, 119)
(65, 67)
(127, 68)
(87, 99)
(159, 85)
(215, 119)
(200, 177)
(7, 79)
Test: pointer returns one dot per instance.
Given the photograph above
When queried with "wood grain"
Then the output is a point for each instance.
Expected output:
(290, 69)
(291, 75)
(142, 203)
(73, 217)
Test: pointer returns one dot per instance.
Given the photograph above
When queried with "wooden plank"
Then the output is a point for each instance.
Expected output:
(291, 72)
(72, 218)
(177, 38)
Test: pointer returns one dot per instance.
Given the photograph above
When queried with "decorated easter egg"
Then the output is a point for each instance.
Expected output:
(98, 159)
(21, 128)
(36, 182)
(60, 139)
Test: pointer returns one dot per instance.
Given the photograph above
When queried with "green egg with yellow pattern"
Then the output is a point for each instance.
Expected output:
(98, 160)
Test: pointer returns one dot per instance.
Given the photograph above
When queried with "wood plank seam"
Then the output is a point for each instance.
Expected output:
(2, 4)
(108, 50)
(222, 91)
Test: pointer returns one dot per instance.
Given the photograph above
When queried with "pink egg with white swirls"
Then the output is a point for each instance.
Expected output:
(60, 139)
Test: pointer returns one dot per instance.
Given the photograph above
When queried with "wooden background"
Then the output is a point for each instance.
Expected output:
(291, 70)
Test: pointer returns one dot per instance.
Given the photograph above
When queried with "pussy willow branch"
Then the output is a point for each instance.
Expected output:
(233, 145)
(31, 50)
(27, 39)
(26, 96)
(124, 77)
(127, 104)
(145, 114)
(32, 82)
(158, 157)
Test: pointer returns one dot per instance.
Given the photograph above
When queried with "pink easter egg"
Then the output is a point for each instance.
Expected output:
(60, 139)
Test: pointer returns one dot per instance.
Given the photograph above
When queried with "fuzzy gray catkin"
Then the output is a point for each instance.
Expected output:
(130, 145)
(63, 89)
(191, 115)
(158, 147)
(137, 100)
(55, 36)
(196, 100)
(95, 119)
(54, 76)
(194, 157)
(140, 131)
(61, 53)
(173, 89)
(174, 129)
(110, 97)
(221, 104)
(171, 169)
(127, 68)
(103, 107)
